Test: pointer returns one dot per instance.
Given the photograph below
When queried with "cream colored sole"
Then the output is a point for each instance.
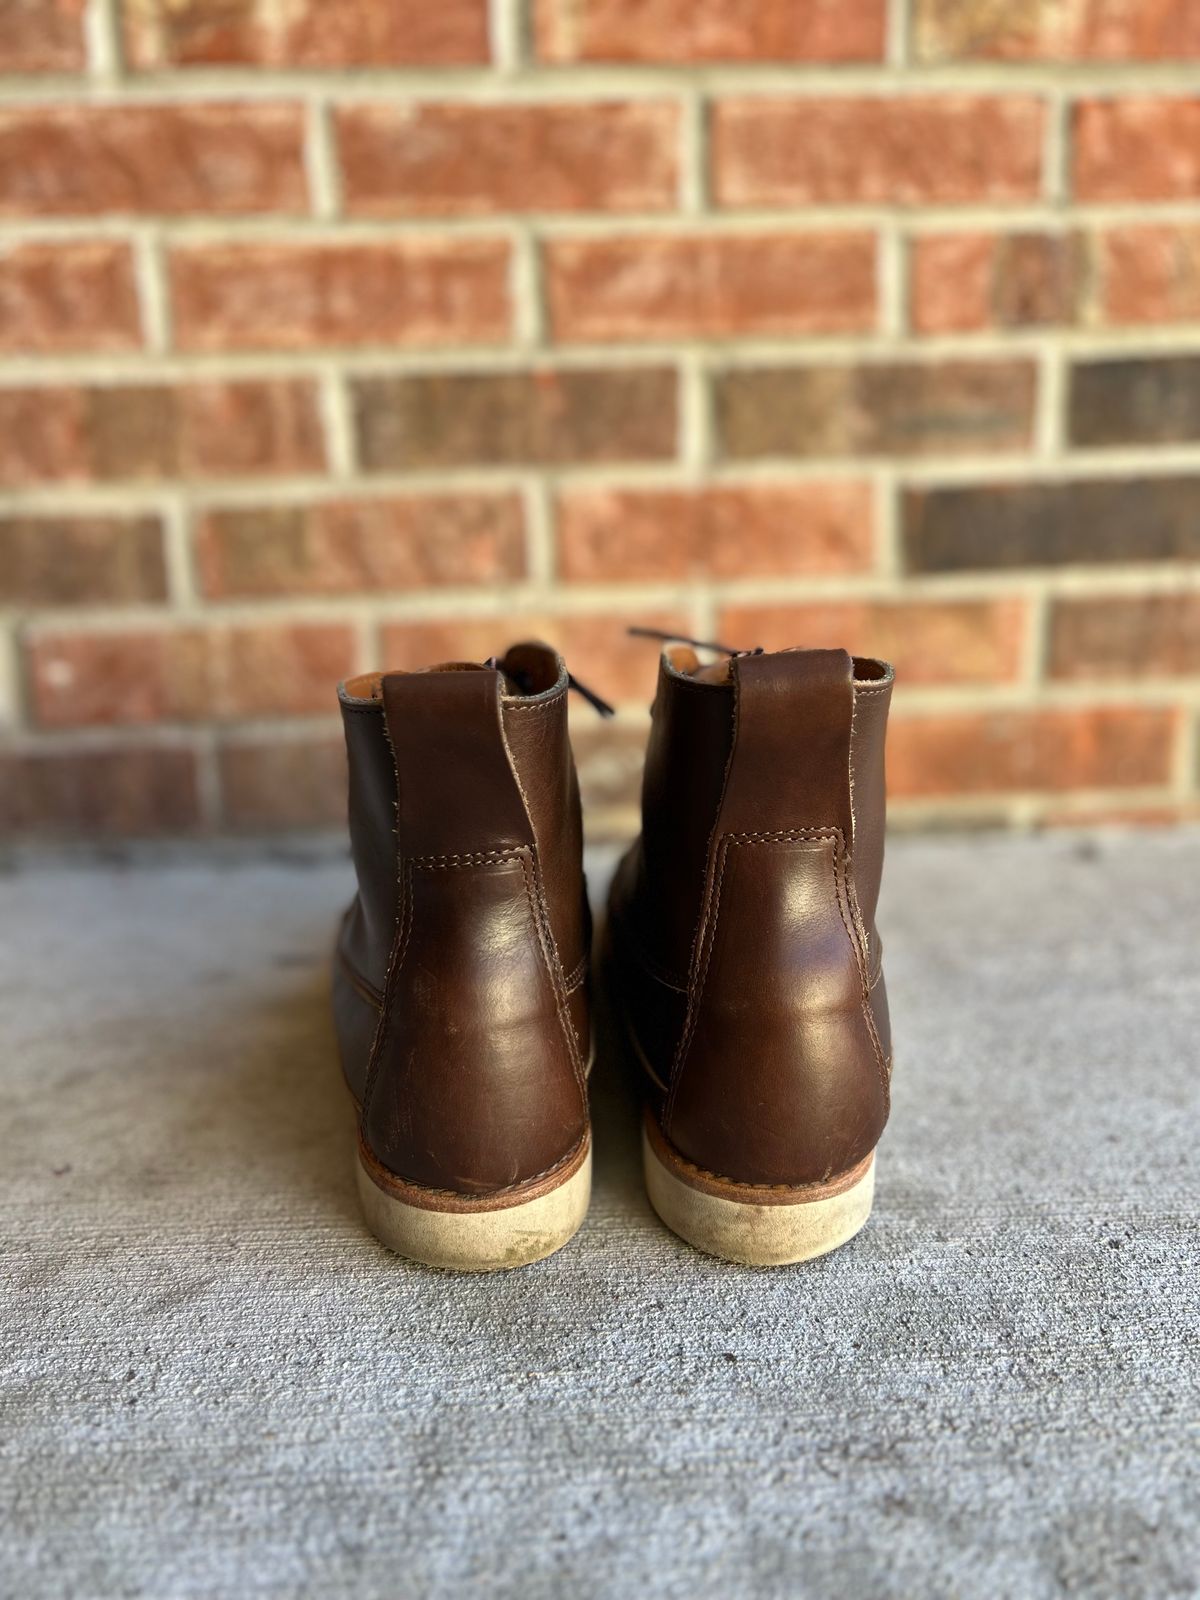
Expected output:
(759, 1227)
(468, 1235)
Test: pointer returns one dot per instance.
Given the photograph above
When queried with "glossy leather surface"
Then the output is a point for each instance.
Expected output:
(459, 985)
(765, 1041)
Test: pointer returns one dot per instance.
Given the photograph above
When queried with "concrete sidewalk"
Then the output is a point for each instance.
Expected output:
(215, 1383)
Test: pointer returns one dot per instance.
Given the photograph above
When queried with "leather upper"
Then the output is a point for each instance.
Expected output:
(742, 921)
(460, 990)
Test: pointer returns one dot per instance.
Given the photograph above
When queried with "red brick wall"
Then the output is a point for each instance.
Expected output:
(377, 331)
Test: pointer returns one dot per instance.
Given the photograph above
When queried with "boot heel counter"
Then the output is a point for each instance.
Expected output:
(780, 1077)
(476, 1083)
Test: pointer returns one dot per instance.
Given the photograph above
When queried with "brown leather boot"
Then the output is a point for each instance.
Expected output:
(460, 979)
(743, 954)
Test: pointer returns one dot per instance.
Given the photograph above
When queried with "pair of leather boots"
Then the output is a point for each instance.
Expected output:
(739, 954)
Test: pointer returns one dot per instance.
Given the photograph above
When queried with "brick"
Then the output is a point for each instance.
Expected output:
(208, 159)
(1005, 526)
(513, 418)
(370, 546)
(68, 297)
(42, 36)
(1150, 274)
(1151, 400)
(709, 30)
(304, 33)
(112, 792)
(151, 432)
(294, 296)
(1049, 30)
(952, 641)
(982, 752)
(193, 674)
(1125, 636)
(901, 408)
(597, 647)
(609, 757)
(961, 282)
(283, 783)
(844, 150)
(64, 560)
(479, 160)
(721, 531)
(1137, 149)
(1085, 812)
(656, 287)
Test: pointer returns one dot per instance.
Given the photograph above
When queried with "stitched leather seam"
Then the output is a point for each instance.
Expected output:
(404, 930)
(477, 858)
(709, 904)
(841, 889)
(697, 995)
(787, 835)
(841, 897)
(395, 962)
(533, 890)
(576, 975)
(797, 835)
(531, 867)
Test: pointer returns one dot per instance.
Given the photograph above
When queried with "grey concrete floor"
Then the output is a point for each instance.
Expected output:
(212, 1382)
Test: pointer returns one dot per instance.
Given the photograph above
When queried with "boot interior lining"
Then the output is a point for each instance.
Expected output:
(684, 660)
(528, 669)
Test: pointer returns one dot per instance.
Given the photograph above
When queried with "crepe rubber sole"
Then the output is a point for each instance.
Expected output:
(484, 1233)
(759, 1226)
